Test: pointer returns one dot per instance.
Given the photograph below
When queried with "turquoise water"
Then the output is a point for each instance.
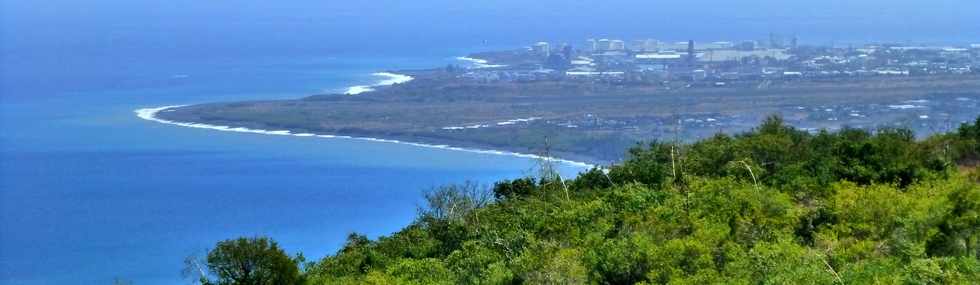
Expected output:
(91, 193)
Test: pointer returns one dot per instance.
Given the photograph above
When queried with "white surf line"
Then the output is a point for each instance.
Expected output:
(501, 123)
(479, 63)
(150, 114)
(391, 79)
(904, 107)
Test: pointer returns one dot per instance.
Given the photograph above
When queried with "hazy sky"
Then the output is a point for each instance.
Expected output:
(375, 24)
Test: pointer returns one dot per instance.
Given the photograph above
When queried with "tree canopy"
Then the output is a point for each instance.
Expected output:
(775, 205)
(252, 261)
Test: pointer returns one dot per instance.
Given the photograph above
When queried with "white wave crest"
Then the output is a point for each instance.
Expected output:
(904, 107)
(354, 90)
(389, 79)
(150, 114)
(393, 78)
(479, 63)
(502, 123)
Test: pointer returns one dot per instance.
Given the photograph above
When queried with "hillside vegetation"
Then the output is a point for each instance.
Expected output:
(774, 205)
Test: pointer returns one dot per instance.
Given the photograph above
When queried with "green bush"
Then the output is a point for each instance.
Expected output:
(772, 206)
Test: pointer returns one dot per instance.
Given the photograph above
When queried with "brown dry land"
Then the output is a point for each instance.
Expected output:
(593, 121)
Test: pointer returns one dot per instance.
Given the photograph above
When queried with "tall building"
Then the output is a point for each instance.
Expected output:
(746, 46)
(603, 45)
(617, 45)
(636, 45)
(567, 51)
(592, 45)
(651, 45)
(719, 45)
(775, 41)
(542, 49)
(690, 52)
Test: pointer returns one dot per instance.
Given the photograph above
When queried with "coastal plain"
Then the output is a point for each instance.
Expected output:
(596, 121)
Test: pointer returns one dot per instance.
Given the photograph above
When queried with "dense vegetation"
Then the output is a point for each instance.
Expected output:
(250, 261)
(772, 206)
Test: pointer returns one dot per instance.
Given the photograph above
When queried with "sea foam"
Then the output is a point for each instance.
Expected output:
(150, 114)
(390, 79)
(479, 63)
(904, 107)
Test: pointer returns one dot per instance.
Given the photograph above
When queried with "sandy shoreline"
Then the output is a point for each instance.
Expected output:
(150, 114)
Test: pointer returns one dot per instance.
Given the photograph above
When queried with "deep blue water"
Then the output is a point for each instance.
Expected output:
(91, 193)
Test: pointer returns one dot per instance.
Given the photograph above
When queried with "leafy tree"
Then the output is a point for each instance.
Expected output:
(512, 189)
(959, 226)
(356, 258)
(421, 271)
(619, 260)
(558, 266)
(454, 202)
(415, 241)
(784, 262)
(478, 264)
(966, 143)
(592, 180)
(252, 261)
(712, 156)
(651, 165)
(771, 206)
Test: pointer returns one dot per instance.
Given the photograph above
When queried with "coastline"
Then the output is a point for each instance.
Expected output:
(150, 114)
(392, 79)
(479, 63)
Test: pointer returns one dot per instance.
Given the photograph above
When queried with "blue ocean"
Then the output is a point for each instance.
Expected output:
(90, 193)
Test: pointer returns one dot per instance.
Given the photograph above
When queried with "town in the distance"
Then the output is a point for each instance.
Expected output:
(721, 63)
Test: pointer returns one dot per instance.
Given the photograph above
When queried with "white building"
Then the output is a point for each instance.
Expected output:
(719, 45)
(603, 45)
(617, 45)
(582, 61)
(542, 49)
(658, 58)
(651, 45)
(592, 45)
